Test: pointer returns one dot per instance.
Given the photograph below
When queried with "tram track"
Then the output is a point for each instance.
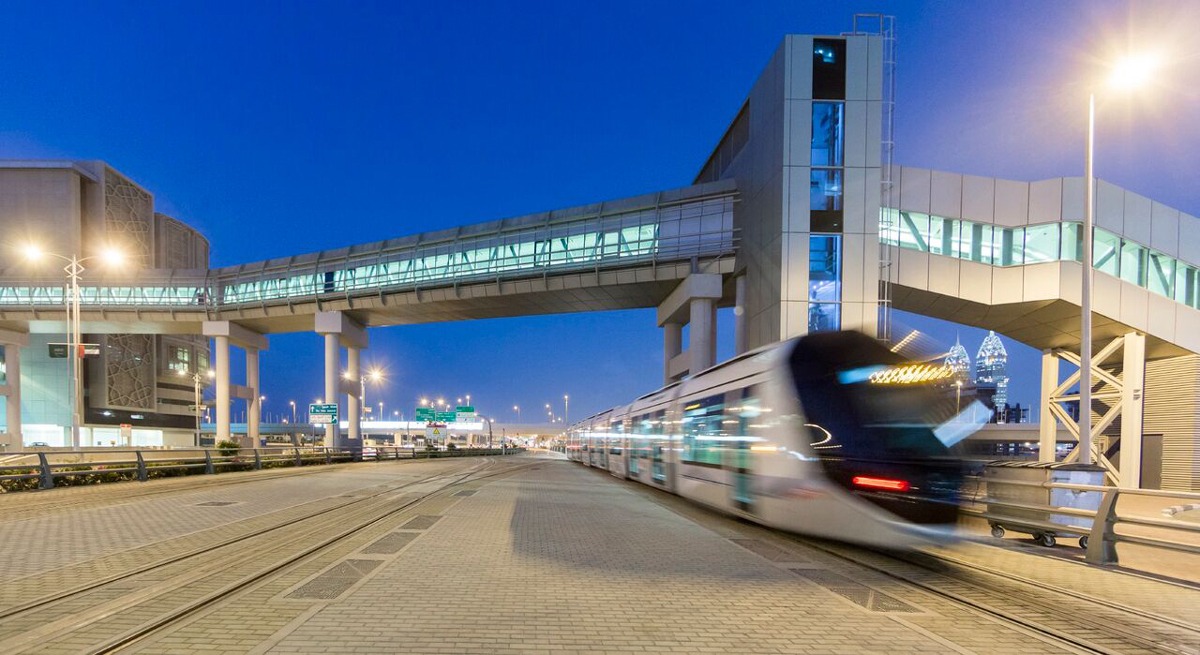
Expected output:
(161, 594)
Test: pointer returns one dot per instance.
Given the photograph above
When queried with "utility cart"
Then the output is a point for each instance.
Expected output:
(1021, 483)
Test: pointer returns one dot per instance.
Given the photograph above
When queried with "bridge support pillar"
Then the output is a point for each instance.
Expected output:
(1047, 424)
(353, 394)
(11, 342)
(693, 302)
(1114, 395)
(341, 330)
(225, 334)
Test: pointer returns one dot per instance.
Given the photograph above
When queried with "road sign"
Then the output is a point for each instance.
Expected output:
(58, 350)
(61, 350)
(324, 413)
(424, 414)
(465, 409)
(445, 417)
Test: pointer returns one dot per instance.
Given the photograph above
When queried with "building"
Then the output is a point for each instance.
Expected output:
(991, 366)
(959, 361)
(77, 209)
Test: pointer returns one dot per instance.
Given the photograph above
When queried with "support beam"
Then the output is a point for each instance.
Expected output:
(701, 344)
(353, 399)
(672, 347)
(1047, 423)
(693, 302)
(1132, 406)
(254, 408)
(224, 411)
(332, 355)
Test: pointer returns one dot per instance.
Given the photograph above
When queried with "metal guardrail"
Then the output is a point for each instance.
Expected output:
(1102, 538)
(47, 474)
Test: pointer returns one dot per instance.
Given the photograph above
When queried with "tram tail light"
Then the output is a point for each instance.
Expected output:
(881, 484)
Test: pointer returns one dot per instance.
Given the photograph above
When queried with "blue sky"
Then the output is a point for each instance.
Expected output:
(284, 127)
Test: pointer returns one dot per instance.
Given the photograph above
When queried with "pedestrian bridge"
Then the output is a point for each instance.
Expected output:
(612, 255)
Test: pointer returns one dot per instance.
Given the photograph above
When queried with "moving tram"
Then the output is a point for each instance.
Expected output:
(829, 434)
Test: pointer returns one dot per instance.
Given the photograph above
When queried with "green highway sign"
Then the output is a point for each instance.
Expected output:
(445, 417)
(323, 413)
(465, 409)
(425, 414)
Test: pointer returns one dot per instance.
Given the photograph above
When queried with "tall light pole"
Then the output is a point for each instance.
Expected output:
(1128, 74)
(74, 269)
(293, 404)
(198, 407)
(566, 409)
(517, 409)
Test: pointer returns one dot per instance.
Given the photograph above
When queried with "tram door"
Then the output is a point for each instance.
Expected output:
(740, 462)
(659, 443)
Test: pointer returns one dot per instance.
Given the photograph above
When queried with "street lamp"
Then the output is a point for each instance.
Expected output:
(375, 375)
(74, 268)
(198, 407)
(293, 404)
(517, 409)
(566, 409)
(1127, 74)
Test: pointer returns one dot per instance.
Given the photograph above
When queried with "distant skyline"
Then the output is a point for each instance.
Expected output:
(284, 128)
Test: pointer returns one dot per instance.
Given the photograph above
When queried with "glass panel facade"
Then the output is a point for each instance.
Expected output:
(1041, 243)
(1001, 246)
(824, 282)
(828, 134)
(829, 69)
(825, 190)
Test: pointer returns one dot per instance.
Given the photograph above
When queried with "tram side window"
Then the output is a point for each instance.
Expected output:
(616, 437)
(703, 430)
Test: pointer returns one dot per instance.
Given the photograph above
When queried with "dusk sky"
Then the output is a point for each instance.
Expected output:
(279, 128)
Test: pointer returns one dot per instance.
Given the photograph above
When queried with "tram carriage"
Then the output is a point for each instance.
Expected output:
(830, 434)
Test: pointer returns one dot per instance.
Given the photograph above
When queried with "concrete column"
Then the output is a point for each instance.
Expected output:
(254, 405)
(224, 411)
(353, 401)
(1047, 424)
(332, 355)
(12, 408)
(700, 341)
(740, 340)
(672, 346)
(1133, 383)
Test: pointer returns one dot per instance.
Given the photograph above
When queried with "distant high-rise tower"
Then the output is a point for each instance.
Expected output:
(991, 365)
(959, 361)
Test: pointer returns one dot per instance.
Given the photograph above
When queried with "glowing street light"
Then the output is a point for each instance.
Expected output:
(74, 268)
(517, 409)
(1126, 75)
(198, 407)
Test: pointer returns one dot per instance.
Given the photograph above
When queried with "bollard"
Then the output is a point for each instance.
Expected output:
(208, 463)
(47, 477)
(143, 475)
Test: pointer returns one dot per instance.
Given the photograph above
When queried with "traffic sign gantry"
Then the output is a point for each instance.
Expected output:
(323, 413)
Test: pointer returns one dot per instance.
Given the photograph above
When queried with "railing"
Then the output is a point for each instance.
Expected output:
(1100, 536)
(57, 469)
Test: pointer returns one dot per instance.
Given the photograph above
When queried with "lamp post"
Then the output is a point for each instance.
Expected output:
(517, 409)
(74, 269)
(1129, 73)
(566, 409)
(198, 407)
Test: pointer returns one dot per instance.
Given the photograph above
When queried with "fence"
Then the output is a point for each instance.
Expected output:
(56, 469)
(1102, 537)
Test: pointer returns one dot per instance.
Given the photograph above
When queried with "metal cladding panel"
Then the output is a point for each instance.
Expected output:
(856, 134)
(1007, 285)
(799, 137)
(1041, 281)
(1172, 387)
(1012, 203)
(854, 208)
(914, 189)
(1045, 201)
(1106, 295)
(945, 198)
(979, 199)
(1110, 207)
(1164, 229)
(912, 269)
(944, 275)
(1135, 303)
(1073, 192)
(1160, 316)
(976, 282)
(1189, 239)
(1138, 226)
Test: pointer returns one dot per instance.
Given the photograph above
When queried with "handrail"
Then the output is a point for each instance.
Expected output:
(47, 474)
(1101, 535)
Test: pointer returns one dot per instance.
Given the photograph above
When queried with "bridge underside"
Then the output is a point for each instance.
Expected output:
(1041, 324)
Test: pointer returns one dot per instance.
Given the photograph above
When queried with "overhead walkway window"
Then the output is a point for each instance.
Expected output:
(997, 245)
